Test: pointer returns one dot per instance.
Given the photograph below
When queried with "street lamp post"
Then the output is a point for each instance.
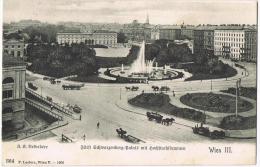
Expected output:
(238, 82)
(120, 93)
(236, 97)
(41, 91)
(211, 82)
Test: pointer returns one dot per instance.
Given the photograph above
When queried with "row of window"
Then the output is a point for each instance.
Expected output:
(229, 34)
(97, 41)
(18, 53)
(12, 46)
(229, 44)
(80, 36)
(230, 39)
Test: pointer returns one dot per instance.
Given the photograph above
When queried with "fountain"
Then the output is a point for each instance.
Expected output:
(142, 70)
(140, 66)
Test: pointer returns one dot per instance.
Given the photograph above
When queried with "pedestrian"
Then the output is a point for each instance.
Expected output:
(80, 117)
(98, 125)
(84, 137)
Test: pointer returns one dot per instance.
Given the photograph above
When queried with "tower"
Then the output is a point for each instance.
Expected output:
(147, 19)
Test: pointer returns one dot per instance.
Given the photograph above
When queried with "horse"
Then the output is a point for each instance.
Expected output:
(128, 88)
(168, 121)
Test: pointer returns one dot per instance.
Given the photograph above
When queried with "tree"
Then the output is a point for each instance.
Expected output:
(121, 38)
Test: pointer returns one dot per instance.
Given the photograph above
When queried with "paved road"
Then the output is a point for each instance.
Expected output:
(99, 105)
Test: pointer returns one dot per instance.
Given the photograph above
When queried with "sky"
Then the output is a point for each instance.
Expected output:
(124, 11)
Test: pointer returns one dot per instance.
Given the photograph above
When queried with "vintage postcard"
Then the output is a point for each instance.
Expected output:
(129, 82)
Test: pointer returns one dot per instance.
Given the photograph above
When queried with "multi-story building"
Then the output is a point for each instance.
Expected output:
(98, 37)
(14, 47)
(198, 41)
(13, 93)
(250, 53)
(229, 42)
(209, 40)
(155, 34)
(187, 31)
(204, 40)
(169, 32)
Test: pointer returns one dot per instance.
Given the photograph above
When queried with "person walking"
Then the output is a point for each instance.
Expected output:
(98, 125)
(84, 137)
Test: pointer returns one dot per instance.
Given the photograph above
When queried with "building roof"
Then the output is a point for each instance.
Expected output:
(103, 31)
(169, 27)
(11, 61)
(205, 27)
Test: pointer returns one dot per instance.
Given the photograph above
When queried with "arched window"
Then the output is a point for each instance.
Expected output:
(8, 80)
(7, 110)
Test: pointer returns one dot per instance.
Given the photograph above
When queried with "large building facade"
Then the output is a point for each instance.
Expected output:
(169, 32)
(234, 42)
(230, 43)
(14, 47)
(250, 53)
(13, 93)
(96, 38)
(187, 32)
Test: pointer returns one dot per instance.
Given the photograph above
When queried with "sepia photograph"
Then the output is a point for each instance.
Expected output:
(129, 82)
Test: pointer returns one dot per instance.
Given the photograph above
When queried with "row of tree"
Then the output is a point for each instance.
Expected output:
(59, 61)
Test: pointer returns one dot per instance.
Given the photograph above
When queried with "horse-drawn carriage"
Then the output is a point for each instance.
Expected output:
(154, 116)
(165, 88)
(204, 131)
(129, 138)
(155, 88)
(133, 88)
(159, 118)
(31, 86)
(72, 86)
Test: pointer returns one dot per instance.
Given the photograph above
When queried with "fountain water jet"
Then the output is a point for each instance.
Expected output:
(140, 66)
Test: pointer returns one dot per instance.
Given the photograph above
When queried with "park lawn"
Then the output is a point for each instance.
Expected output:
(215, 102)
(230, 72)
(91, 79)
(160, 102)
(232, 122)
(250, 92)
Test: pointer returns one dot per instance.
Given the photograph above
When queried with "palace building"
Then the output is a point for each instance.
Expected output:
(100, 37)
